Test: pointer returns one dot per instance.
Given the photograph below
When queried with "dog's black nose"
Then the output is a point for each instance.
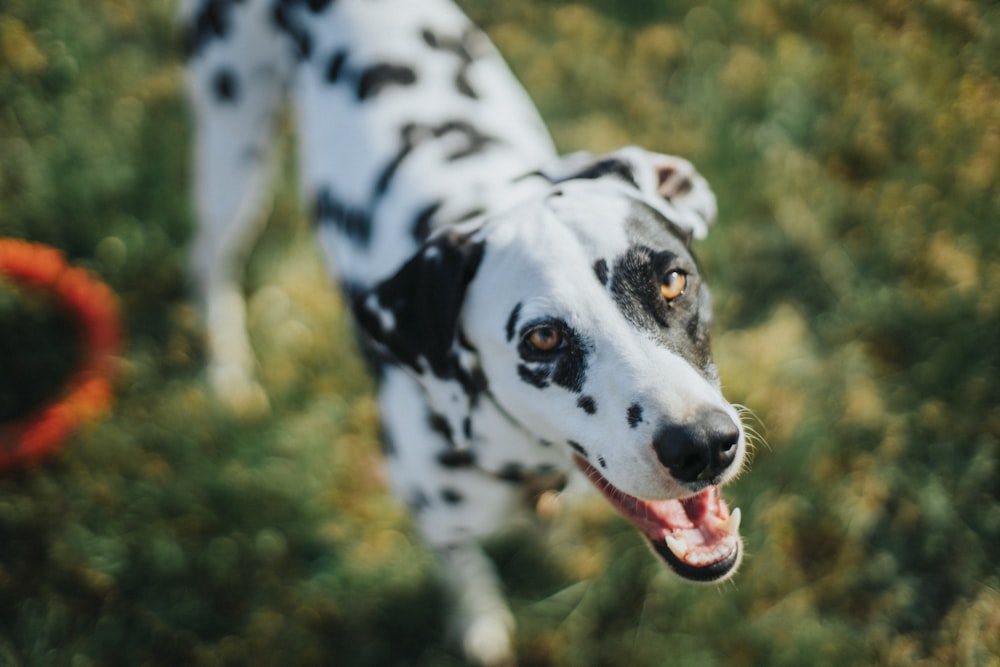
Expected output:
(700, 449)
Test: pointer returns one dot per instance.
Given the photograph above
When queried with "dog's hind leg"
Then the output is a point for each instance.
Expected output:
(238, 69)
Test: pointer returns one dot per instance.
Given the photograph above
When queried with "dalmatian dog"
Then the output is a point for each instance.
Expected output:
(526, 314)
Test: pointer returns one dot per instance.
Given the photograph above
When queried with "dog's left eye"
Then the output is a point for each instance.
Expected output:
(673, 285)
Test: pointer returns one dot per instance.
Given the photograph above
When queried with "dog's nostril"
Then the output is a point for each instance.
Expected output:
(700, 449)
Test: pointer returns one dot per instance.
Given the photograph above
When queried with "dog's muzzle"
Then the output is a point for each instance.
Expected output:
(697, 537)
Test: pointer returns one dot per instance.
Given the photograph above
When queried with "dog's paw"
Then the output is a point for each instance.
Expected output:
(238, 390)
(486, 641)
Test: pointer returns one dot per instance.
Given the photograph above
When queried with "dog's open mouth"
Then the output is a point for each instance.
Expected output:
(697, 536)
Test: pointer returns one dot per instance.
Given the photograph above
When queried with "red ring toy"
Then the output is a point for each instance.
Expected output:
(88, 393)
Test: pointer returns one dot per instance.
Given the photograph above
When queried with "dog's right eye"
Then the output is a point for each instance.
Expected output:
(544, 339)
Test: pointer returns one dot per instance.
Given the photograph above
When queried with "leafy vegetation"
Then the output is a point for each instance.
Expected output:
(855, 150)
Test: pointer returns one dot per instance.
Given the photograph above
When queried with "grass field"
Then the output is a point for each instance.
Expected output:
(855, 151)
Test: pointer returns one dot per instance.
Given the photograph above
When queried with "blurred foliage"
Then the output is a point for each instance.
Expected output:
(855, 151)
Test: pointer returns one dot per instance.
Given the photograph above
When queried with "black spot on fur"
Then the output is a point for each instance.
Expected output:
(352, 221)
(571, 370)
(512, 321)
(334, 66)
(226, 86)
(440, 425)
(612, 166)
(600, 460)
(466, 48)
(587, 404)
(318, 6)
(456, 458)
(377, 77)
(425, 297)
(578, 447)
(422, 223)
(476, 141)
(413, 135)
(210, 22)
(634, 415)
(512, 472)
(537, 377)
(451, 496)
(601, 271)
(284, 19)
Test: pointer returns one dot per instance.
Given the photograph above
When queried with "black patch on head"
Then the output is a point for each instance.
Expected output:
(601, 271)
(226, 86)
(587, 404)
(451, 496)
(512, 322)
(600, 460)
(354, 222)
(634, 415)
(578, 447)
(681, 325)
(376, 78)
(334, 66)
(537, 377)
(571, 370)
(456, 458)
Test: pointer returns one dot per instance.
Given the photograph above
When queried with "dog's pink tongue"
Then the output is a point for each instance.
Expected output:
(706, 534)
(698, 530)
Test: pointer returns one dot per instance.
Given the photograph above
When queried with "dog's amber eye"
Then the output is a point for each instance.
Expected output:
(544, 339)
(673, 285)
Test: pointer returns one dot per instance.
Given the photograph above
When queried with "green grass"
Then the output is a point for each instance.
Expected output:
(855, 151)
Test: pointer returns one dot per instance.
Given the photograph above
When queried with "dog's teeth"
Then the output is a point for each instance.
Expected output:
(676, 545)
(732, 524)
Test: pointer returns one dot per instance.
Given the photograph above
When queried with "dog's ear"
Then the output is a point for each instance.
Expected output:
(688, 201)
(413, 316)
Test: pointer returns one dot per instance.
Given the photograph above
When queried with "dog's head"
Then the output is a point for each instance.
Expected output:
(581, 314)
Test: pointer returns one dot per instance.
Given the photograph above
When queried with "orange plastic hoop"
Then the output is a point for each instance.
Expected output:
(88, 393)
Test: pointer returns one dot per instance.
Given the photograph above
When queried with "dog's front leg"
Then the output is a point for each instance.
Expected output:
(239, 66)
(481, 622)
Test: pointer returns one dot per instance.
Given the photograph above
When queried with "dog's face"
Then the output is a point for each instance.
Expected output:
(582, 314)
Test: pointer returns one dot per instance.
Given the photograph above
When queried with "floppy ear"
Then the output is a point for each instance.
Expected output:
(413, 317)
(687, 200)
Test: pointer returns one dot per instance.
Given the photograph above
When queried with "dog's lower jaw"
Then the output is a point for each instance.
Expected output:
(481, 624)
